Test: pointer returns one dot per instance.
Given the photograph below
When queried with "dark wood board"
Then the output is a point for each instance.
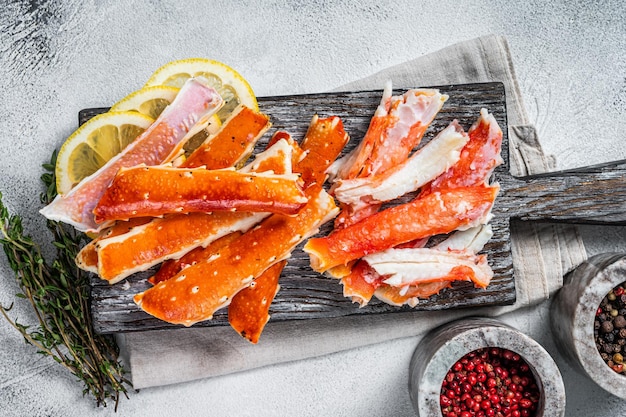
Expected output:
(305, 294)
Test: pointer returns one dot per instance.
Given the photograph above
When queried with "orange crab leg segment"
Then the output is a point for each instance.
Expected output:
(397, 127)
(361, 283)
(155, 191)
(409, 295)
(198, 291)
(172, 267)
(232, 142)
(172, 236)
(194, 104)
(322, 143)
(87, 258)
(248, 313)
(166, 238)
(437, 213)
(478, 157)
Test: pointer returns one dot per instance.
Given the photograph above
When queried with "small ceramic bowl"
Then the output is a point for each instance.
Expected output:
(443, 347)
(572, 315)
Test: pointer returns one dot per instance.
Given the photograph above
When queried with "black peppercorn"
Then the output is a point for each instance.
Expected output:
(607, 327)
(610, 329)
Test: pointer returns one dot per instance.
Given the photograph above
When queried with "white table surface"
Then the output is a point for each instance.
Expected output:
(56, 59)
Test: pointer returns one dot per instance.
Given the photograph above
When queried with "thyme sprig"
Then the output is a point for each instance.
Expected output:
(58, 292)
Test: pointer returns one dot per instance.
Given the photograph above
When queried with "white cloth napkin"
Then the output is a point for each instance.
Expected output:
(542, 254)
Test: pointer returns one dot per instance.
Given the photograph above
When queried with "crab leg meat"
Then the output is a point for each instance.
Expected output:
(410, 295)
(232, 143)
(154, 191)
(172, 236)
(438, 213)
(199, 290)
(397, 127)
(363, 282)
(403, 267)
(422, 167)
(167, 238)
(478, 158)
(248, 313)
(195, 103)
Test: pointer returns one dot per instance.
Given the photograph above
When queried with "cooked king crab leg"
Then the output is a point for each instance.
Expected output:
(195, 103)
(249, 310)
(154, 191)
(404, 267)
(174, 235)
(248, 313)
(438, 213)
(396, 128)
(478, 159)
(426, 164)
(199, 290)
(363, 281)
(232, 143)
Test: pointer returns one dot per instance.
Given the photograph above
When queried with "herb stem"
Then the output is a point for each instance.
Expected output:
(58, 292)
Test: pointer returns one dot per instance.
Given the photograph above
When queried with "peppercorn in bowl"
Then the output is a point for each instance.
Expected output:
(588, 320)
(482, 367)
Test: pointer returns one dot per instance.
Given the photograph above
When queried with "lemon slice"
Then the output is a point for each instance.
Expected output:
(233, 88)
(95, 143)
(149, 100)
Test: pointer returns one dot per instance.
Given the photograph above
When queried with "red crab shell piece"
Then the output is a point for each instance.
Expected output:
(155, 191)
(478, 158)
(248, 313)
(194, 104)
(322, 144)
(199, 290)
(438, 213)
(232, 143)
(361, 283)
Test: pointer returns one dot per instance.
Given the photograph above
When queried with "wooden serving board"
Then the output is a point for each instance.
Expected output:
(593, 195)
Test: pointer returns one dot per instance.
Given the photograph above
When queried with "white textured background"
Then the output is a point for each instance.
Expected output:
(56, 59)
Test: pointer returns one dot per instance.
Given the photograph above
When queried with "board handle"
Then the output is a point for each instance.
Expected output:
(589, 195)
